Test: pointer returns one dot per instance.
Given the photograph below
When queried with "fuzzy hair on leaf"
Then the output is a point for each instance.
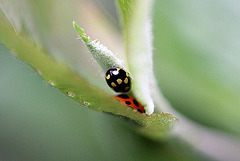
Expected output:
(105, 58)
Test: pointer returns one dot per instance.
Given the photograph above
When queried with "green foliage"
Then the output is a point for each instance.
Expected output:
(125, 6)
(196, 53)
(105, 58)
(62, 77)
(138, 46)
(37, 122)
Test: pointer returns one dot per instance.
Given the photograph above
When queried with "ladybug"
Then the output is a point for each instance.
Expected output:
(130, 102)
(118, 79)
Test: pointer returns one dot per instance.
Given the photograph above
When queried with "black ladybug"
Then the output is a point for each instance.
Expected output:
(118, 79)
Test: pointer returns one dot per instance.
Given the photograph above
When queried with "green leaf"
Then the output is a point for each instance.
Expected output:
(138, 43)
(105, 58)
(62, 77)
(37, 122)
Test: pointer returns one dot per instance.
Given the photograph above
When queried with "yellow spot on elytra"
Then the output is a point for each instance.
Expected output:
(113, 84)
(108, 76)
(119, 81)
(126, 80)
(118, 69)
(126, 88)
(127, 74)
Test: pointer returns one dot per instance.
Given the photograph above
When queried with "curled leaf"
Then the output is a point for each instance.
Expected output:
(138, 42)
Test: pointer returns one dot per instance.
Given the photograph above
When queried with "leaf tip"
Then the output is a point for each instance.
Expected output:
(80, 32)
(75, 25)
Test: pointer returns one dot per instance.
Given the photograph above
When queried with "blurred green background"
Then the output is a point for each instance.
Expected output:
(196, 62)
